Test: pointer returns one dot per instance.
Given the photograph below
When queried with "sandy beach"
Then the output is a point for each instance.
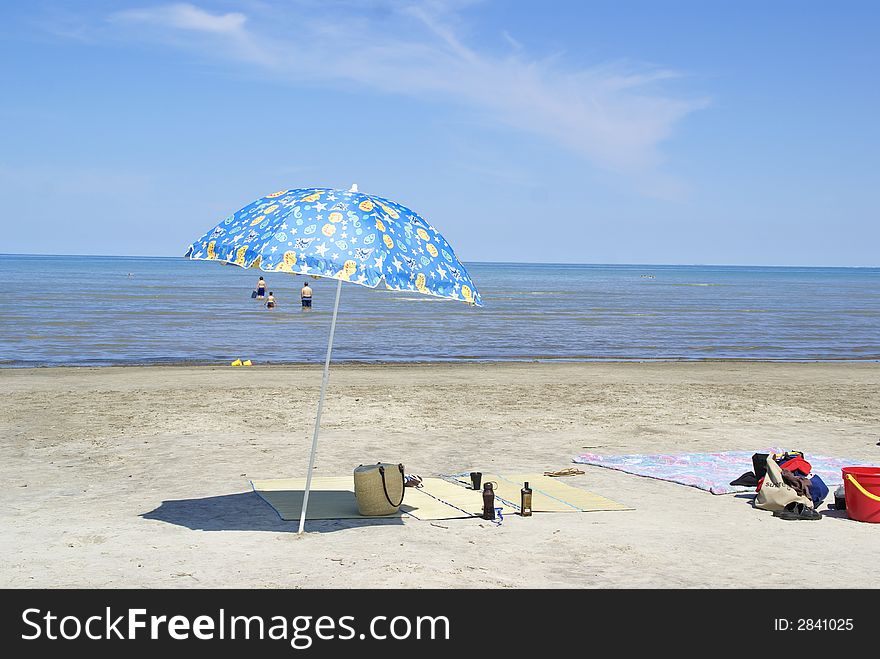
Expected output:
(139, 476)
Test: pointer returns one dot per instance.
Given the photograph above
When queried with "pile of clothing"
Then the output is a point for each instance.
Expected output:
(796, 490)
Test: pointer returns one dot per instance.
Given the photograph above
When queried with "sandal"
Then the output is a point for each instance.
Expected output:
(797, 510)
(570, 471)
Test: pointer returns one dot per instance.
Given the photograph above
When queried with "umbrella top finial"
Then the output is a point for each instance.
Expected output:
(353, 188)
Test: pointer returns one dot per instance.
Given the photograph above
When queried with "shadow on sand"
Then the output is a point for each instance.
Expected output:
(246, 511)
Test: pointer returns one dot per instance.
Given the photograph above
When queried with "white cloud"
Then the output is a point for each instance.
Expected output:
(186, 17)
(614, 115)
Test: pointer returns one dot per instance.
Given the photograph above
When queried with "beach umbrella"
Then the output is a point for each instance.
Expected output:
(344, 235)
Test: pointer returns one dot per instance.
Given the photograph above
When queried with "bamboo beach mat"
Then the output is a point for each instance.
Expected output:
(332, 497)
(550, 495)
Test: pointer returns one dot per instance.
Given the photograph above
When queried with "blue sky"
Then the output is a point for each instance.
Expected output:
(593, 132)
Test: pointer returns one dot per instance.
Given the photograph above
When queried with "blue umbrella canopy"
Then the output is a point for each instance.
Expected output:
(345, 235)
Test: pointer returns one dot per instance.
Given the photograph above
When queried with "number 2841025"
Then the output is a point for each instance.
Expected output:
(813, 624)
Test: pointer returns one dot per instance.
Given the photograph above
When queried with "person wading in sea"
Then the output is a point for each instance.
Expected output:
(306, 295)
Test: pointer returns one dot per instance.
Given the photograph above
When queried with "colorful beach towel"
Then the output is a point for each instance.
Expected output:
(708, 471)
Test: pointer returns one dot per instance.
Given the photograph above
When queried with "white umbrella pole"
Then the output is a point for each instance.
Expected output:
(302, 518)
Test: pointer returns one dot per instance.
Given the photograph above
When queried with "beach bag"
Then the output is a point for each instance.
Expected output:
(379, 488)
(253, 294)
(759, 463)
(775, 494)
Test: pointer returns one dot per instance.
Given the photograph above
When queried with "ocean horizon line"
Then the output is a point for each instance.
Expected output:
(482, 262)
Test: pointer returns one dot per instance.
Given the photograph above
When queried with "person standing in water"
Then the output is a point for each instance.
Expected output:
(306, 295)
(261, 288)
(270, 301)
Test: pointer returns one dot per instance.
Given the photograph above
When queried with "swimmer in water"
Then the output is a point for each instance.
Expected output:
(270, 301)
(261, 289)
(306, 296)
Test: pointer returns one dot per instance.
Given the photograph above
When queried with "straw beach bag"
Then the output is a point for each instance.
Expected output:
(775, 494)
(379, 488)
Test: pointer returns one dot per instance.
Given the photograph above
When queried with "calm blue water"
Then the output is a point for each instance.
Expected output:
(86, 310)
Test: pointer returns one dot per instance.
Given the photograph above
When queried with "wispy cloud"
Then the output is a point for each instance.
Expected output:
(186, 17)
(190, 27)
(615, 115)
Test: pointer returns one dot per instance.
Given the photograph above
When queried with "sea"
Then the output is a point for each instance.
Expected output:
(102, 311)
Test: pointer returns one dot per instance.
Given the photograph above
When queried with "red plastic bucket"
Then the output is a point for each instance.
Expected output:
(861, 486)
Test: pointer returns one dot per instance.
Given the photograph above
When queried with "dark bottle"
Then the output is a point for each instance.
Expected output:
(488, 501)
(526, 501)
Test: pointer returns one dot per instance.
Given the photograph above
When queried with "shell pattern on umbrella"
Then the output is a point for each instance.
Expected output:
(339, 234)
